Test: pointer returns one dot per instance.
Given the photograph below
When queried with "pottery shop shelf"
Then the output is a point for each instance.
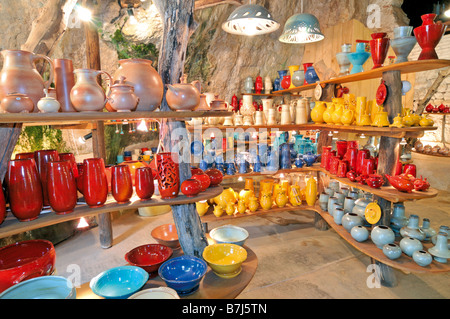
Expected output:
(12, 225)
(83, 117)
(304, 169)
(278, 127)
(263, 94)
(404, 68)
(431, 154)
(404, 263)
(387, 192)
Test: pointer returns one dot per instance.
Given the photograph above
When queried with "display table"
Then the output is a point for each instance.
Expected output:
(211, 286)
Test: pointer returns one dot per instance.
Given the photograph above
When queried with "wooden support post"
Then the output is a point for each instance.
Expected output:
(179, 24)
(98, 136)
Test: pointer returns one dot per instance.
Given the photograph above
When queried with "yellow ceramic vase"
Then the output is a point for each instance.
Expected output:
(337, 114)
(397, 122)
(281, 199)
(374, 108)
(365, 120)
(317, 112)
(218, 211)
(408, 119)
(294, 195)
(350, 101)
(266, 187)
(328, 114)
(202, 207)
(249, 184)
(347, 117)
(253, 205)
(311, 191)
(230, 209)
(266, 201)
(292, 69)
(360, 109)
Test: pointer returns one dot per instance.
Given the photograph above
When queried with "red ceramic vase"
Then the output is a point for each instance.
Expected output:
(24, 155)
(341, 147)
(145, 187)
(305, 68)
(79, 179)
(379, 46)
(368, 166)
(409, 169)
(191, 187)
(95, 183)
(286, 82)
(203, 179)
(334, 165)
(428, 36)
(25, 260)
(168, 175)
(215, 176)
(351, 156)
(62, 187)
(342, 168)
(121, 184)
(24, 189)
(324, 158)
(42, 157)
(71, 159)
(398, 168)
(328, 162)
(362, 154)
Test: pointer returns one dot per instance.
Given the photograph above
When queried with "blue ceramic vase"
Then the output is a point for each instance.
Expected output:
(338, 213)
(392, 251)
(412, 229)
(359, 233)
(323, 201)
(422, 258)
(351, 220)
(358, 58)
(311, 75)
(382, 235)
(409, 245)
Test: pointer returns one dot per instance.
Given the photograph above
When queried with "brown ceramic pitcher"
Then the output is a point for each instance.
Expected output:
(19, 75)
(87, 95)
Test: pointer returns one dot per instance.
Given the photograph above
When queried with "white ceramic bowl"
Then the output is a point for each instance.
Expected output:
(156, 293)
(229, 234)
(45, 287)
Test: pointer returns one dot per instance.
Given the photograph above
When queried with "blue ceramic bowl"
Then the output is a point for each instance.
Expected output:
(45, 287)
(183, 273)
(119, 282)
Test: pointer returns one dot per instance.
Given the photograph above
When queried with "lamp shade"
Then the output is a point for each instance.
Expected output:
(250, 19)
(301, 28)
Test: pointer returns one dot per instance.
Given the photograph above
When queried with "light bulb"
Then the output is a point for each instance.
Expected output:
(142, 126)
(84, 14)
(83, 223)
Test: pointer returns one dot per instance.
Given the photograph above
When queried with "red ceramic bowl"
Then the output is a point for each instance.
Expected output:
(191, 187)
(166, 235)
(215, 176)
(203, 179)
(25, 260)
(148, 257)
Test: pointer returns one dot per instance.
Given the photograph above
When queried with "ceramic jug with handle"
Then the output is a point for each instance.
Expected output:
(183, 96)
(19, 75)
(87, 95)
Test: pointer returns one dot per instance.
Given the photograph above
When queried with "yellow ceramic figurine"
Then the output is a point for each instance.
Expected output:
(241, 206)
(397, 122)
(218, 211)
(227, 195)
(230, 209)
(202, 207)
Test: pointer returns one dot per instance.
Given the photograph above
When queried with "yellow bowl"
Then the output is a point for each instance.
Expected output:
(225, 259)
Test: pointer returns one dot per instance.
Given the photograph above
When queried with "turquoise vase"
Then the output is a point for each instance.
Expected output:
(382, 235)
(422, 258)
(359, 233)
(358, 58)
(392, 251)
(351, 220)
(412, 229)
(409, 245)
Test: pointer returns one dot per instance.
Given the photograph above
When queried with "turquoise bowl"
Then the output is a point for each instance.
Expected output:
(119, 282)
(45, 287)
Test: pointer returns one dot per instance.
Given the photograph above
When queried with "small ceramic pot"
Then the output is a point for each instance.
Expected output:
(168, 175)
(334, 185)
(215, 176)
(329, 191)
(392, 251)
(398, 218)
(337, 215)
(440, 250)
(422, 258)
(429, 232)
(409, 245)
(340, 197)
(331, 201)
(351, 220)
(382, 235)
(349, 203)
(359, 233)
(323, 201)
(16, 103)
(191, 187)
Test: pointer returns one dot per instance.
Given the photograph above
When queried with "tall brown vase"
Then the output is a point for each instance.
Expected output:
(64, 81)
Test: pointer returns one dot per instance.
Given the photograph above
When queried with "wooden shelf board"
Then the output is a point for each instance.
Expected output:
(280, 171)
(12, 225)
(262, 94)
(404, 68)
(431, 154)
(404, 263)
(80, 117)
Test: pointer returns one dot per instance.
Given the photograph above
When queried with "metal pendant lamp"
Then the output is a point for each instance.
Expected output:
(250, 19)
(301, 28)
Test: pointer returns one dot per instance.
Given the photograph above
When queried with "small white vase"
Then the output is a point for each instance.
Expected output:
(267, 85)
(271, 118)
(285, 115)
(259, 118)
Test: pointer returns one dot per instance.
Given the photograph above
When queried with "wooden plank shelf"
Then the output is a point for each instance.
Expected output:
(83, 117)
(12, 225)
(263, 94)
(406, 132)
(404, 263)
(404, 68)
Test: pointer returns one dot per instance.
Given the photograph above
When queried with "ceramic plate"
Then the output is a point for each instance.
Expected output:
(372, 213)
(381, 93)
(318, 92)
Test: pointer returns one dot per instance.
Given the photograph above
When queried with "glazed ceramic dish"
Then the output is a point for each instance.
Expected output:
(225, 259)
(156, 293)
(166, 235)
(119, 282)
(25, 260)
(183, 273)
(48, 287)
(148, 257)
(229, 234)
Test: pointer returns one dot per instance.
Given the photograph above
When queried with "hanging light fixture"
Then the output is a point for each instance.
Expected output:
(301, 28)
(250, 19)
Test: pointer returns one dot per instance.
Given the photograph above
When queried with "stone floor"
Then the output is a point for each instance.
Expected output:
(295, 261)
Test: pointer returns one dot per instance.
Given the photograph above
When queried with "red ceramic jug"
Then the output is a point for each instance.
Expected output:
(95, 183)
(362, 154)
(42, 157)
(121, 184)
(342, 168)
(341, 147)
(168, 175)
(409, 169)
(144, 184)
(328, 162)
(62, 187)
(351, 157)
(24, 189)
(368, 166)
(334, 165)
(324, 158)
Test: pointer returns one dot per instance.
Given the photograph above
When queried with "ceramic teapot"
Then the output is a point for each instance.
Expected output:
(19, 75)
(122, 97)
(87, 95)
(183, 96)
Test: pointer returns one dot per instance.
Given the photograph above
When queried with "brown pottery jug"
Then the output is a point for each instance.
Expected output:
(87, 95)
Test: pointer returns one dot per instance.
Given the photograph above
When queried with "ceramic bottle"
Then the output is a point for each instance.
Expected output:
(412, 229)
